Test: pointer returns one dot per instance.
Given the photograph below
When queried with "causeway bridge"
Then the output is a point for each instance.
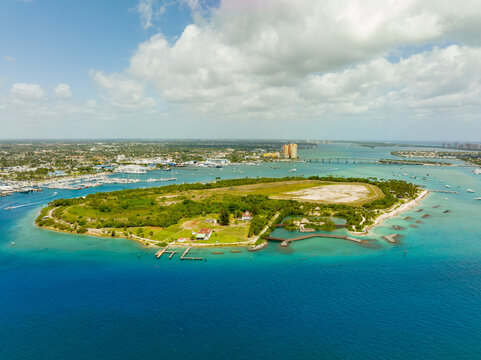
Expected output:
(343, 160)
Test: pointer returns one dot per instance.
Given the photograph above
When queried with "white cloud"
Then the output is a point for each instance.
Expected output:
(436, 80)
(248, 54)
(148, 11)
(27, 92)
(305, 60)
(9, 58)
(62, 91)
(144, 8)
(121, 91)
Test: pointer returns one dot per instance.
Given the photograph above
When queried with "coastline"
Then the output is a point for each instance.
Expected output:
(149, 242)
(396, 210)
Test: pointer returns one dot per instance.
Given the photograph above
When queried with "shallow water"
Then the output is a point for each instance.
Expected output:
(65, 296)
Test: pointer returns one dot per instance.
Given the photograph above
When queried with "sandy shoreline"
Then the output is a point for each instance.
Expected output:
(396, 210)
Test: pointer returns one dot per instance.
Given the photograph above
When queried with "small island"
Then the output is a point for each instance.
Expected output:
(236, 212)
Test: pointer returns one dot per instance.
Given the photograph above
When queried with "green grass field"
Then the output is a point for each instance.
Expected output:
(120, 212)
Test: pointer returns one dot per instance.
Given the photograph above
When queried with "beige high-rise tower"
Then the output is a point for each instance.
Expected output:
(293, 151)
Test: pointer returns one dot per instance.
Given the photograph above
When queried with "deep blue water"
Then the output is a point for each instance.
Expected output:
(64, 296)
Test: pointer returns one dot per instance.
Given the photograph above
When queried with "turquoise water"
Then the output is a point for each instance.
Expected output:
(74, 297)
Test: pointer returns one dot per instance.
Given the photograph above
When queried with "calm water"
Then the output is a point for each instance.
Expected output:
(71, 297)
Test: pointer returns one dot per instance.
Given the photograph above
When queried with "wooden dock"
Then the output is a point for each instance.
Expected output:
(184, 257)
(163, 251)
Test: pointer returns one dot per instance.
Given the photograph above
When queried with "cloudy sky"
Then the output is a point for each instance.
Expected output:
(316, 69)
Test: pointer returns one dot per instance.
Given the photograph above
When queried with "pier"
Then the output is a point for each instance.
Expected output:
(163, 251)
(185, 257)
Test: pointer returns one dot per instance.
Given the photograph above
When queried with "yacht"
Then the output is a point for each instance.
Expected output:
(292, 170)
(477, 171)
(470, 190)
(448, 186)
(477, 198)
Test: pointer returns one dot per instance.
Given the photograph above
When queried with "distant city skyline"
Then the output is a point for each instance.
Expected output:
(241, 69)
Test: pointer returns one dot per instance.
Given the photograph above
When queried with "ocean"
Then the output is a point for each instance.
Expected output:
(65, 296)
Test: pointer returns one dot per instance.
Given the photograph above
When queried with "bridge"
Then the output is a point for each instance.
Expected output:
(343, 160)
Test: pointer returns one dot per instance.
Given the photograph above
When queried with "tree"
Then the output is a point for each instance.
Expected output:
(224, 217)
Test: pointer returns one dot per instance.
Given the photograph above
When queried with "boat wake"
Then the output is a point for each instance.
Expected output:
(30, 204)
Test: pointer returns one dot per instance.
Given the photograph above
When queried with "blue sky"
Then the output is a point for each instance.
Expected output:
(60, 41)
(240, 68)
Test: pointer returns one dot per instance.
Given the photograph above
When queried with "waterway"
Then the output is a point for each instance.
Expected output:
(65, 296)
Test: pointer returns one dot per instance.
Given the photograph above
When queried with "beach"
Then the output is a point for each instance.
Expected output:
(394, 211)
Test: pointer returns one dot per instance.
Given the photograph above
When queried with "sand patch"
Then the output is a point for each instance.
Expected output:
(332, 193)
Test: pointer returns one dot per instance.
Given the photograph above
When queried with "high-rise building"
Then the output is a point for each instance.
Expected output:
(289, 151)
(293, 151)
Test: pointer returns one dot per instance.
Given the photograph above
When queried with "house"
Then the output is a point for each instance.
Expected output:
(246, 216)
(203, 234)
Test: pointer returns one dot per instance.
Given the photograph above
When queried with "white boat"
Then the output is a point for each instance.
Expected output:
(470, 190)
(292, 170)
(8, 208)
(477, 171)
(477, 198)
(448, 186)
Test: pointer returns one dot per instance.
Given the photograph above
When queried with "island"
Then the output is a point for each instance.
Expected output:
(235, 212)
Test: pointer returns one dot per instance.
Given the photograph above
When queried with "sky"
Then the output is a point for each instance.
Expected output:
(304, 69)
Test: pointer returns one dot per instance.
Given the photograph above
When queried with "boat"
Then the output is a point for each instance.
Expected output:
(8, 208)
(477, 171)
(448, 186)
(470, 190)
(477, 198)
(292, 170)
